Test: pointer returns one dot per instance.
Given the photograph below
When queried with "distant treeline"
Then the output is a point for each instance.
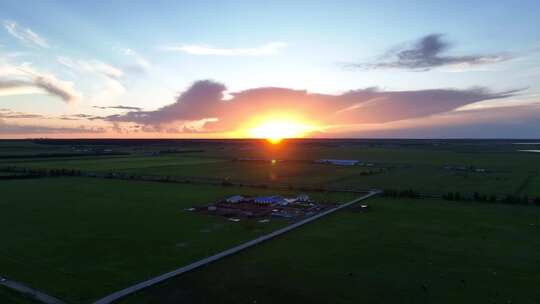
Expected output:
(140, 142)
(62, 154)
(173, 151)
(41, 172)
(458, 196)
(19, 176)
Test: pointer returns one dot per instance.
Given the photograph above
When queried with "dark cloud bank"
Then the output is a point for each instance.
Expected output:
(204, 100)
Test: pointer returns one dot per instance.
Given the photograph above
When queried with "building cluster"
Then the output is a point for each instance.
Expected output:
(338, 162)
(343, 162)
(273, 200)
(465, 169)
(328, 161)
(239, 206)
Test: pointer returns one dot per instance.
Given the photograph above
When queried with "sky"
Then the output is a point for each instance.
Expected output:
(214, 69)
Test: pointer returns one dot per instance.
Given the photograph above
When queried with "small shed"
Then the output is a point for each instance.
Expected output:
(304, 198)
(235, 199)
(339, 162)
(270, 200)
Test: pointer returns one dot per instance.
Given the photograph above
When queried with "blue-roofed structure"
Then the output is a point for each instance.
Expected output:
(270, 200)
(339, 162)
(234, 199)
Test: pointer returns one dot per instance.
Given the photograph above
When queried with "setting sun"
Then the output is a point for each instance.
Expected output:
(276, 130)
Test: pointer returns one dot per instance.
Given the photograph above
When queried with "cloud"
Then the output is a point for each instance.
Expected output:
(79, 117)
(193, 49)
(20, 129)
(23, 79)
(426, 54)
(27, 36)
(120, 107)
(200, 101)
(9, 114)
(108, 75)
(93, 66)
(204, 101)
(520, 121)
(140, 63)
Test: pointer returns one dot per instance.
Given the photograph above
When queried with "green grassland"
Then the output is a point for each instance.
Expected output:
(403, 251)
(81, 238)
(255, 172)
(8, 296)
(119, 163)
(19, 147)
(419, 167)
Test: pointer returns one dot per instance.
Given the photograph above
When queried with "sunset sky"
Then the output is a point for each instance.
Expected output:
(183, 69)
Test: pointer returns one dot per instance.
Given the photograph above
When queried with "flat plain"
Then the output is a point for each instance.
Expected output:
(403, 251)
(80, 237)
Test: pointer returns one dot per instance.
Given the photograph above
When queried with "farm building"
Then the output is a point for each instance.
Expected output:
(339, 162)
(234, 199)
(304, 198)
(270, 200)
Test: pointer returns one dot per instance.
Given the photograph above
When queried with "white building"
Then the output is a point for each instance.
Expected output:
(304, 198)
(235, 199)
(339, 162)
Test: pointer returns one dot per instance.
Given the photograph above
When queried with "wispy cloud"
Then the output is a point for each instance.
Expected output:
(194, 49)
(94, 66)
(119, 107)
(25, 35)
(108, 75)
(79, 117)
(26, 129)
(141, 64)
(7, 113)
(23, 79)
(428, 53)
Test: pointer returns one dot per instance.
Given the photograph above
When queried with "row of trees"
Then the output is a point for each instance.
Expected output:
(458, 196)
(21, 172)
(409, 193)
(41, 172)
(505, 199)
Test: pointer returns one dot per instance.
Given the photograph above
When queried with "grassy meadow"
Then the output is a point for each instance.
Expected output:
(81, 238)
(11, 297)
(423, 168)
(403, 251)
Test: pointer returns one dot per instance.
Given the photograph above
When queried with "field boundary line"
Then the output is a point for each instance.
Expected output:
(158, 279)
(31, 292)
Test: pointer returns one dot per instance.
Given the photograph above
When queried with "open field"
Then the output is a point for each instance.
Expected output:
(8, 296)
(81, 238)
(119, 163)
(404, 251)
(503, 170)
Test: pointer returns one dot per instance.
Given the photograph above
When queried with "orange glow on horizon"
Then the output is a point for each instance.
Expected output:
(276, 128)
